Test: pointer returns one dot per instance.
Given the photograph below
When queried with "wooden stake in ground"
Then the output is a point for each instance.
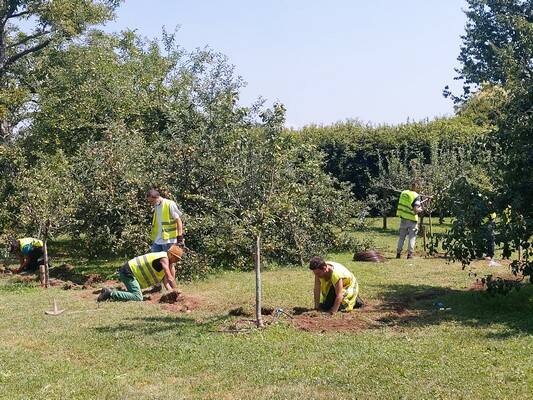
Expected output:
(430, 224)
(46, 269)
(258, 316)
(55, 311)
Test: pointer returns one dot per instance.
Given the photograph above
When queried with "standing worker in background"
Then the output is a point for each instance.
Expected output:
(142, 272)
(167, 228)
(30, 253)
(409, 206)
(336, 288)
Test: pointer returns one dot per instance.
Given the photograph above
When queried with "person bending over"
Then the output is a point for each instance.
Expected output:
(336, 288)
(30, 253)
(142, 272)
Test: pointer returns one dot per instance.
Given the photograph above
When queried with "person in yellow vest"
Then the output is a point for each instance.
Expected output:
(142, 272)
(409, 206)
(30, 253)
(336, 288)
(167, 227)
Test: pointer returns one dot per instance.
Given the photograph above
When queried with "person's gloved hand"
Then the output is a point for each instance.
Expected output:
(180, 240)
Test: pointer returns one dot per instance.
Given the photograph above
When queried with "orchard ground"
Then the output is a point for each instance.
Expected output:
(401, 345)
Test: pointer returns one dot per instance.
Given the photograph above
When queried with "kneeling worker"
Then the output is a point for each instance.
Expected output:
(335, 286)
(30, 253)
(142, 272)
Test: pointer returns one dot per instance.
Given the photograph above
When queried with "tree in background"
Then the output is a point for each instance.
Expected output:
(55, 22)
(497, 50)
(435, 175)
(47, 197)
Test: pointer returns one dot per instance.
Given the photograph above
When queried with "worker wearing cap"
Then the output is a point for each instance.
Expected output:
(30, 253)
(336, 288)
(167, 227)
(142, 272)
(409, 206)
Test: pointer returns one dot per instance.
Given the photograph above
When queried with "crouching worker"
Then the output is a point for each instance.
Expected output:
(335, 286)
(30, 253)
(142, 272)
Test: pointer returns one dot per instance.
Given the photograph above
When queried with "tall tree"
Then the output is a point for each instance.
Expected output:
(26, 28)
(497, 50)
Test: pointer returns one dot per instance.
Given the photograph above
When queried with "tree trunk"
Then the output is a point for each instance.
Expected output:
(430, 224)
(46, 269)
(384, 220)
(258, 316)
(424, 236)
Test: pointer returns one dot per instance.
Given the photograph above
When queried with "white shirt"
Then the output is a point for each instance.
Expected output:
(174, 213)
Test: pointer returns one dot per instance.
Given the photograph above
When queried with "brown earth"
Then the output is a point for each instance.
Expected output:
(371, 316)
(369, 255)
(174, 301)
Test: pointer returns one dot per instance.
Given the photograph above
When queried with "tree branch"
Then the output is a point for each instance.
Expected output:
(33, 49)
(20, 14)
(28, 38)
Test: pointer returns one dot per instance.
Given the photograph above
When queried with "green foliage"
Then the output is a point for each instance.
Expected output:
(114, 174)
(353, 150)
(26, 28)
(499, 286)
(496, 60)
(46, 196)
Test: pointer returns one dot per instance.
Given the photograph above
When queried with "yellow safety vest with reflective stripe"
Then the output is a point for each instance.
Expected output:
(349, 284)
(405, 205)
(143, 271)
(169, 228)
(34, 242)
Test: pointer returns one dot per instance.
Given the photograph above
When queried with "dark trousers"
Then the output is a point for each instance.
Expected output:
(35, 258)
(330, 300)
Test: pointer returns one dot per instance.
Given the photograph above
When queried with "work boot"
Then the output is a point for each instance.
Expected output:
(409, 256)
(398, 255)
(359, 302)
(105, 294)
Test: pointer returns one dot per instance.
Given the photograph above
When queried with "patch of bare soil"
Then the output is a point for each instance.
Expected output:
(174, 301)
(506, 279)
(396, 313)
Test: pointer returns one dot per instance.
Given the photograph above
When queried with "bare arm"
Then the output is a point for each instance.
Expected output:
(339, 292)
(179, 226)
(316, 292)
(23, 264)
(168, 279)
(166, 282)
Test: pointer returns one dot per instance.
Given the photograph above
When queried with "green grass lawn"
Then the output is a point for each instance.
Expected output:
(481, 348)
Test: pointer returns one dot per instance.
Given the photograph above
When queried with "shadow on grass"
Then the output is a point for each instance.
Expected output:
(470, 308)
(381, 231)
(156, 325)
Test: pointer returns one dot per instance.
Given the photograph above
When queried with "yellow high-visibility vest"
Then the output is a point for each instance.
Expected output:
(169, 227)
(143, 271)
(34, 242)
(405, 205)
(349, 284)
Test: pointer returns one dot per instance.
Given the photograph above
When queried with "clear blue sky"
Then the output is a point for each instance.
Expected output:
(379, 61)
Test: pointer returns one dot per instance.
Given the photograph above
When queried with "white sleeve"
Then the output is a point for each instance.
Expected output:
(174, 210)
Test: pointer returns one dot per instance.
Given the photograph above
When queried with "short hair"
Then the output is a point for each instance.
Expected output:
(316, 262)
(152, 193)
(14, 246)
(416, 185)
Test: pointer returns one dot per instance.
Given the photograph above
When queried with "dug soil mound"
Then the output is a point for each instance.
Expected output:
(369, 256)
(66, 276)
(173, 301)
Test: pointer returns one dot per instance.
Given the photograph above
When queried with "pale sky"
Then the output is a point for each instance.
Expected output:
(379, 61)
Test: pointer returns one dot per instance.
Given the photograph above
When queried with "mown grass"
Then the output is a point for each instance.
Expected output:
(481, 348)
